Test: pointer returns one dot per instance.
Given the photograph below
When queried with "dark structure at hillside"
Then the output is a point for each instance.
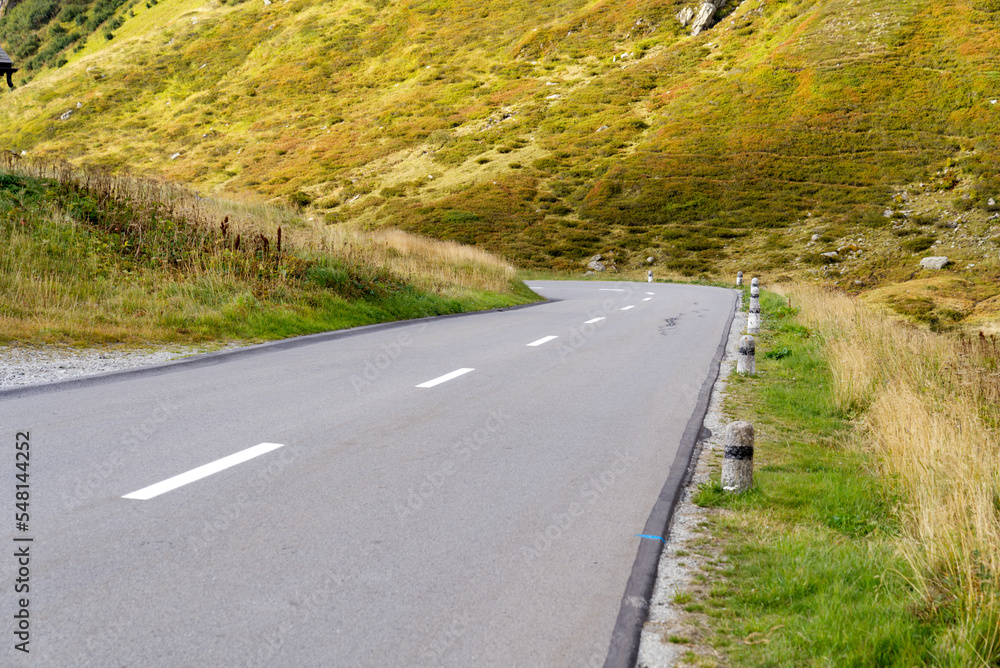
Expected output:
(7, 67)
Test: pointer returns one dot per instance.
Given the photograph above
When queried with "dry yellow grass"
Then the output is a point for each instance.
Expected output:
(930, 414)
(438, 266)
(154, 261)
(442, 267)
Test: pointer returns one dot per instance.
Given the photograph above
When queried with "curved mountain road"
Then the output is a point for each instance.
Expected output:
(446, 492)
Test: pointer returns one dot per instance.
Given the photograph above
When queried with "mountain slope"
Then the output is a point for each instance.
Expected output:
(552, 131)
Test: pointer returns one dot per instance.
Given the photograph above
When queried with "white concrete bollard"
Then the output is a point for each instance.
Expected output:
(754, 282)
(754, 291)
(746, 362)
(737, 463)
(753, 320)
(649, 276)
(739, 278)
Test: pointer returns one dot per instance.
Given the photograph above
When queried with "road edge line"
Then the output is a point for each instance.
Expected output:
(623, 651)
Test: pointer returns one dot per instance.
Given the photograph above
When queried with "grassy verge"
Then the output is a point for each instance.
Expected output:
(91, 258)
(823, 562)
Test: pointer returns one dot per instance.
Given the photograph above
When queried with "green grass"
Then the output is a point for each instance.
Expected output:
(88, 261)
(41, 33)
(811, 574)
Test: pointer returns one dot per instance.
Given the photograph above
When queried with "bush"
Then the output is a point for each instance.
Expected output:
(918, 244)
(300, 199)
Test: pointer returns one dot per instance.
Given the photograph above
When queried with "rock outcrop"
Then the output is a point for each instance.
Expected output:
(700, 19)
(939, 262)
(703, 18)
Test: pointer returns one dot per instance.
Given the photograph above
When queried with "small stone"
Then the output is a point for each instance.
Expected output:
(887, 213)
(991, 202)
(650, 259)
(814, 238)
(936, 262)
(831, 254)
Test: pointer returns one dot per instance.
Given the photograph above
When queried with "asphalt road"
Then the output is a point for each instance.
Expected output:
(490, 518)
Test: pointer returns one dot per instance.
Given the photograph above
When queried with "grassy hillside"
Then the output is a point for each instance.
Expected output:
(551, 131)
(40, 33)
(93, 258)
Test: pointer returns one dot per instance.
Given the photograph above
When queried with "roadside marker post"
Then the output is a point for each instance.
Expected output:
(753, 318)
(746, 361)
(737, 463)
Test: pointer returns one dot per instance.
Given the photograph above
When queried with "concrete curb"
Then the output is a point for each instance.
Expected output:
(624, 649)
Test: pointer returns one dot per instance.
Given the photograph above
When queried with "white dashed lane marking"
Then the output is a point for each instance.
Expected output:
(544, 339)
(169, 484)
(445, 378)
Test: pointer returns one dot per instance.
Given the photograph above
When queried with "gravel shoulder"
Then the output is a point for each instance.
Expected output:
(23, 366)
(671, 633)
